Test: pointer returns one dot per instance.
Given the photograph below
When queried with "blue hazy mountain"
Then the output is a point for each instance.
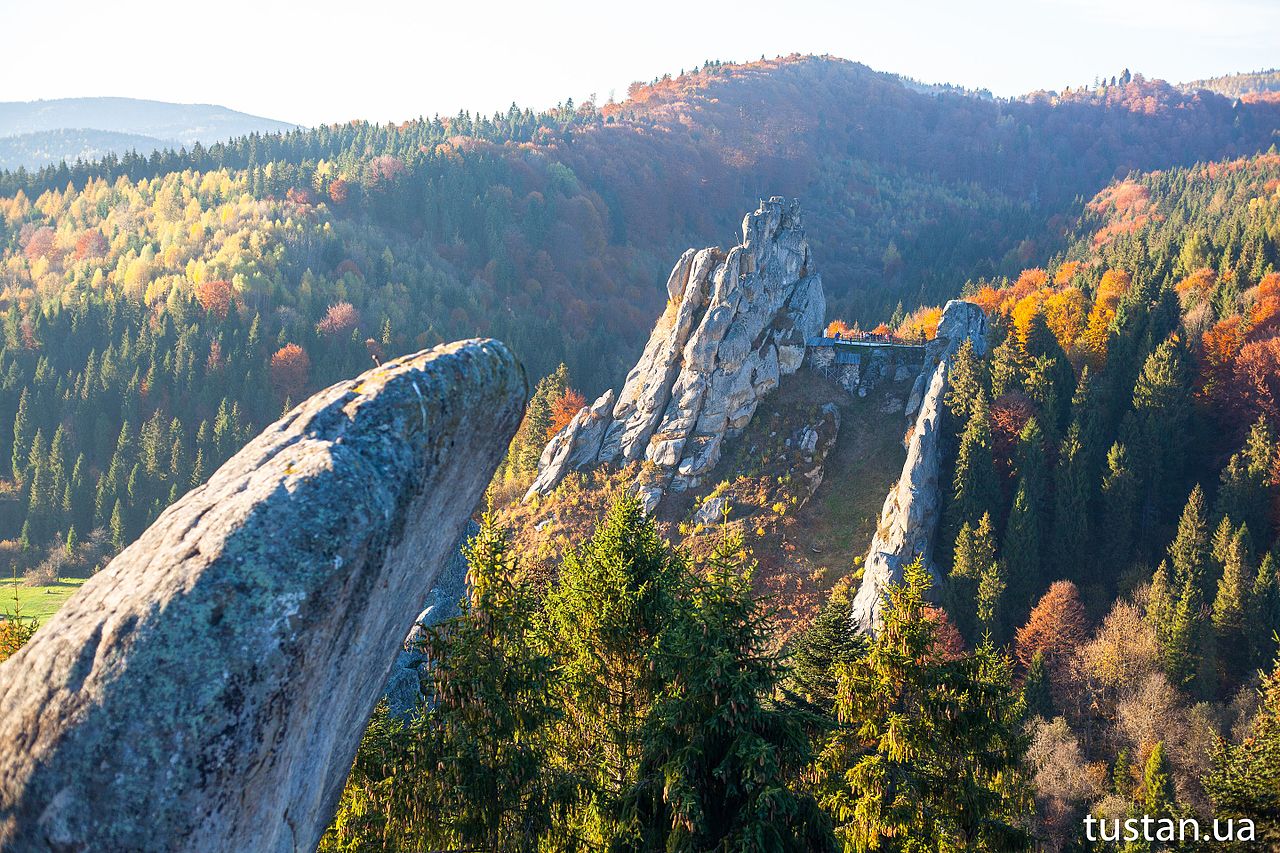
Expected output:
(37, 133)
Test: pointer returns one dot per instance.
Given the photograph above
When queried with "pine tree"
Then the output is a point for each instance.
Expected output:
(1070, 530)
(716, 756)
(975, 487)
(606, 617)
(927, 748)
(1119, 504)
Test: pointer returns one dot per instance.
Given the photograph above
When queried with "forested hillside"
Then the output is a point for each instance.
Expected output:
(148, 296)
(1238, 85)
(1107, 617)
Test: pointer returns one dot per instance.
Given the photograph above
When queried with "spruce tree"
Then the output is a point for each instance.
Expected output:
(1263, 616)
(1070, 530)
(615, 598)
(1119, 503)
(964, 381)
(1163, 422)
(829, 640)
(975, 487)
(1036, 693)
(1189, 551)
(926, 748)
(1007, 371)
(1158, 796)
(1230, 607)
(1023, 538)
(716, 753)
(21, 435)
(1244, 778)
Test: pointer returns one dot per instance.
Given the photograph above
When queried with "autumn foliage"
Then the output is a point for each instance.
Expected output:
(215, 297)
(1056, 628)
(340, 319)
(290, 371)
(563, 408)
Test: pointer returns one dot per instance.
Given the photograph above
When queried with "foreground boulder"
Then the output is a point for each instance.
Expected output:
(207, 690)
(735, 323)
(909, 521)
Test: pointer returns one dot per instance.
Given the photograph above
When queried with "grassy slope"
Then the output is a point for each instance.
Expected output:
(38, 602)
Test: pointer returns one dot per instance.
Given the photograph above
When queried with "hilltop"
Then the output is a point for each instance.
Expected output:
(35, 134)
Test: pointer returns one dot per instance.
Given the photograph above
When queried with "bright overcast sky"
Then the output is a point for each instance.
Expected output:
(328, 61)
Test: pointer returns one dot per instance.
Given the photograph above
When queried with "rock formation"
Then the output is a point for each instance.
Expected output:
(735, 323)
(207, 690)
(404, 686)
(909, 520)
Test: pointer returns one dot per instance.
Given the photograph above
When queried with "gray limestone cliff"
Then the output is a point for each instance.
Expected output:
(735, 323)
(909, 521)
(207, 690)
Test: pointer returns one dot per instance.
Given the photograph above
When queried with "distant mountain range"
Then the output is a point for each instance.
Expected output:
(39, 133)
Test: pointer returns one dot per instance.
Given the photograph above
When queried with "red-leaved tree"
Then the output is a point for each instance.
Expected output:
(290, 371)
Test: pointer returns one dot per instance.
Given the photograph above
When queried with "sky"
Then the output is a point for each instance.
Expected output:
(391, 60)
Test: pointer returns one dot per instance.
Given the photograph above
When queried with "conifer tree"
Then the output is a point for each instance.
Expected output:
(1023, 539)
(927, 748)
(964, 381)
(1158, 797)
(1119, 503)
(829, 640)
(991, 590)
(1070, 531)
(1163, 421)
(1006, 368)
(1230, 607)
(606, 617)
(1244, 778)
(1189, 551)
(975, 487)
(716, 754)
(1036, 693)
(1263, 616)
(21, 435)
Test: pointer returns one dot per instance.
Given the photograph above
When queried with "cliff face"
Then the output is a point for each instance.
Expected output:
(208, 689)
(909, 520)
(735, 323)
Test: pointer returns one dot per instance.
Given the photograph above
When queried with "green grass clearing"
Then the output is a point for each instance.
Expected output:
(38, 602)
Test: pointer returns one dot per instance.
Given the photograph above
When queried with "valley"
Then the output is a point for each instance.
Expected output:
(841, 460)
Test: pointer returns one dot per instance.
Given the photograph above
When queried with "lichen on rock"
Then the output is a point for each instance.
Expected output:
(207, 689)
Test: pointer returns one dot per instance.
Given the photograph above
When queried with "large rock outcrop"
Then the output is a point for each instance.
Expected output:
(909, 520)
(207, 690)
(443, 601)
(735, 323)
